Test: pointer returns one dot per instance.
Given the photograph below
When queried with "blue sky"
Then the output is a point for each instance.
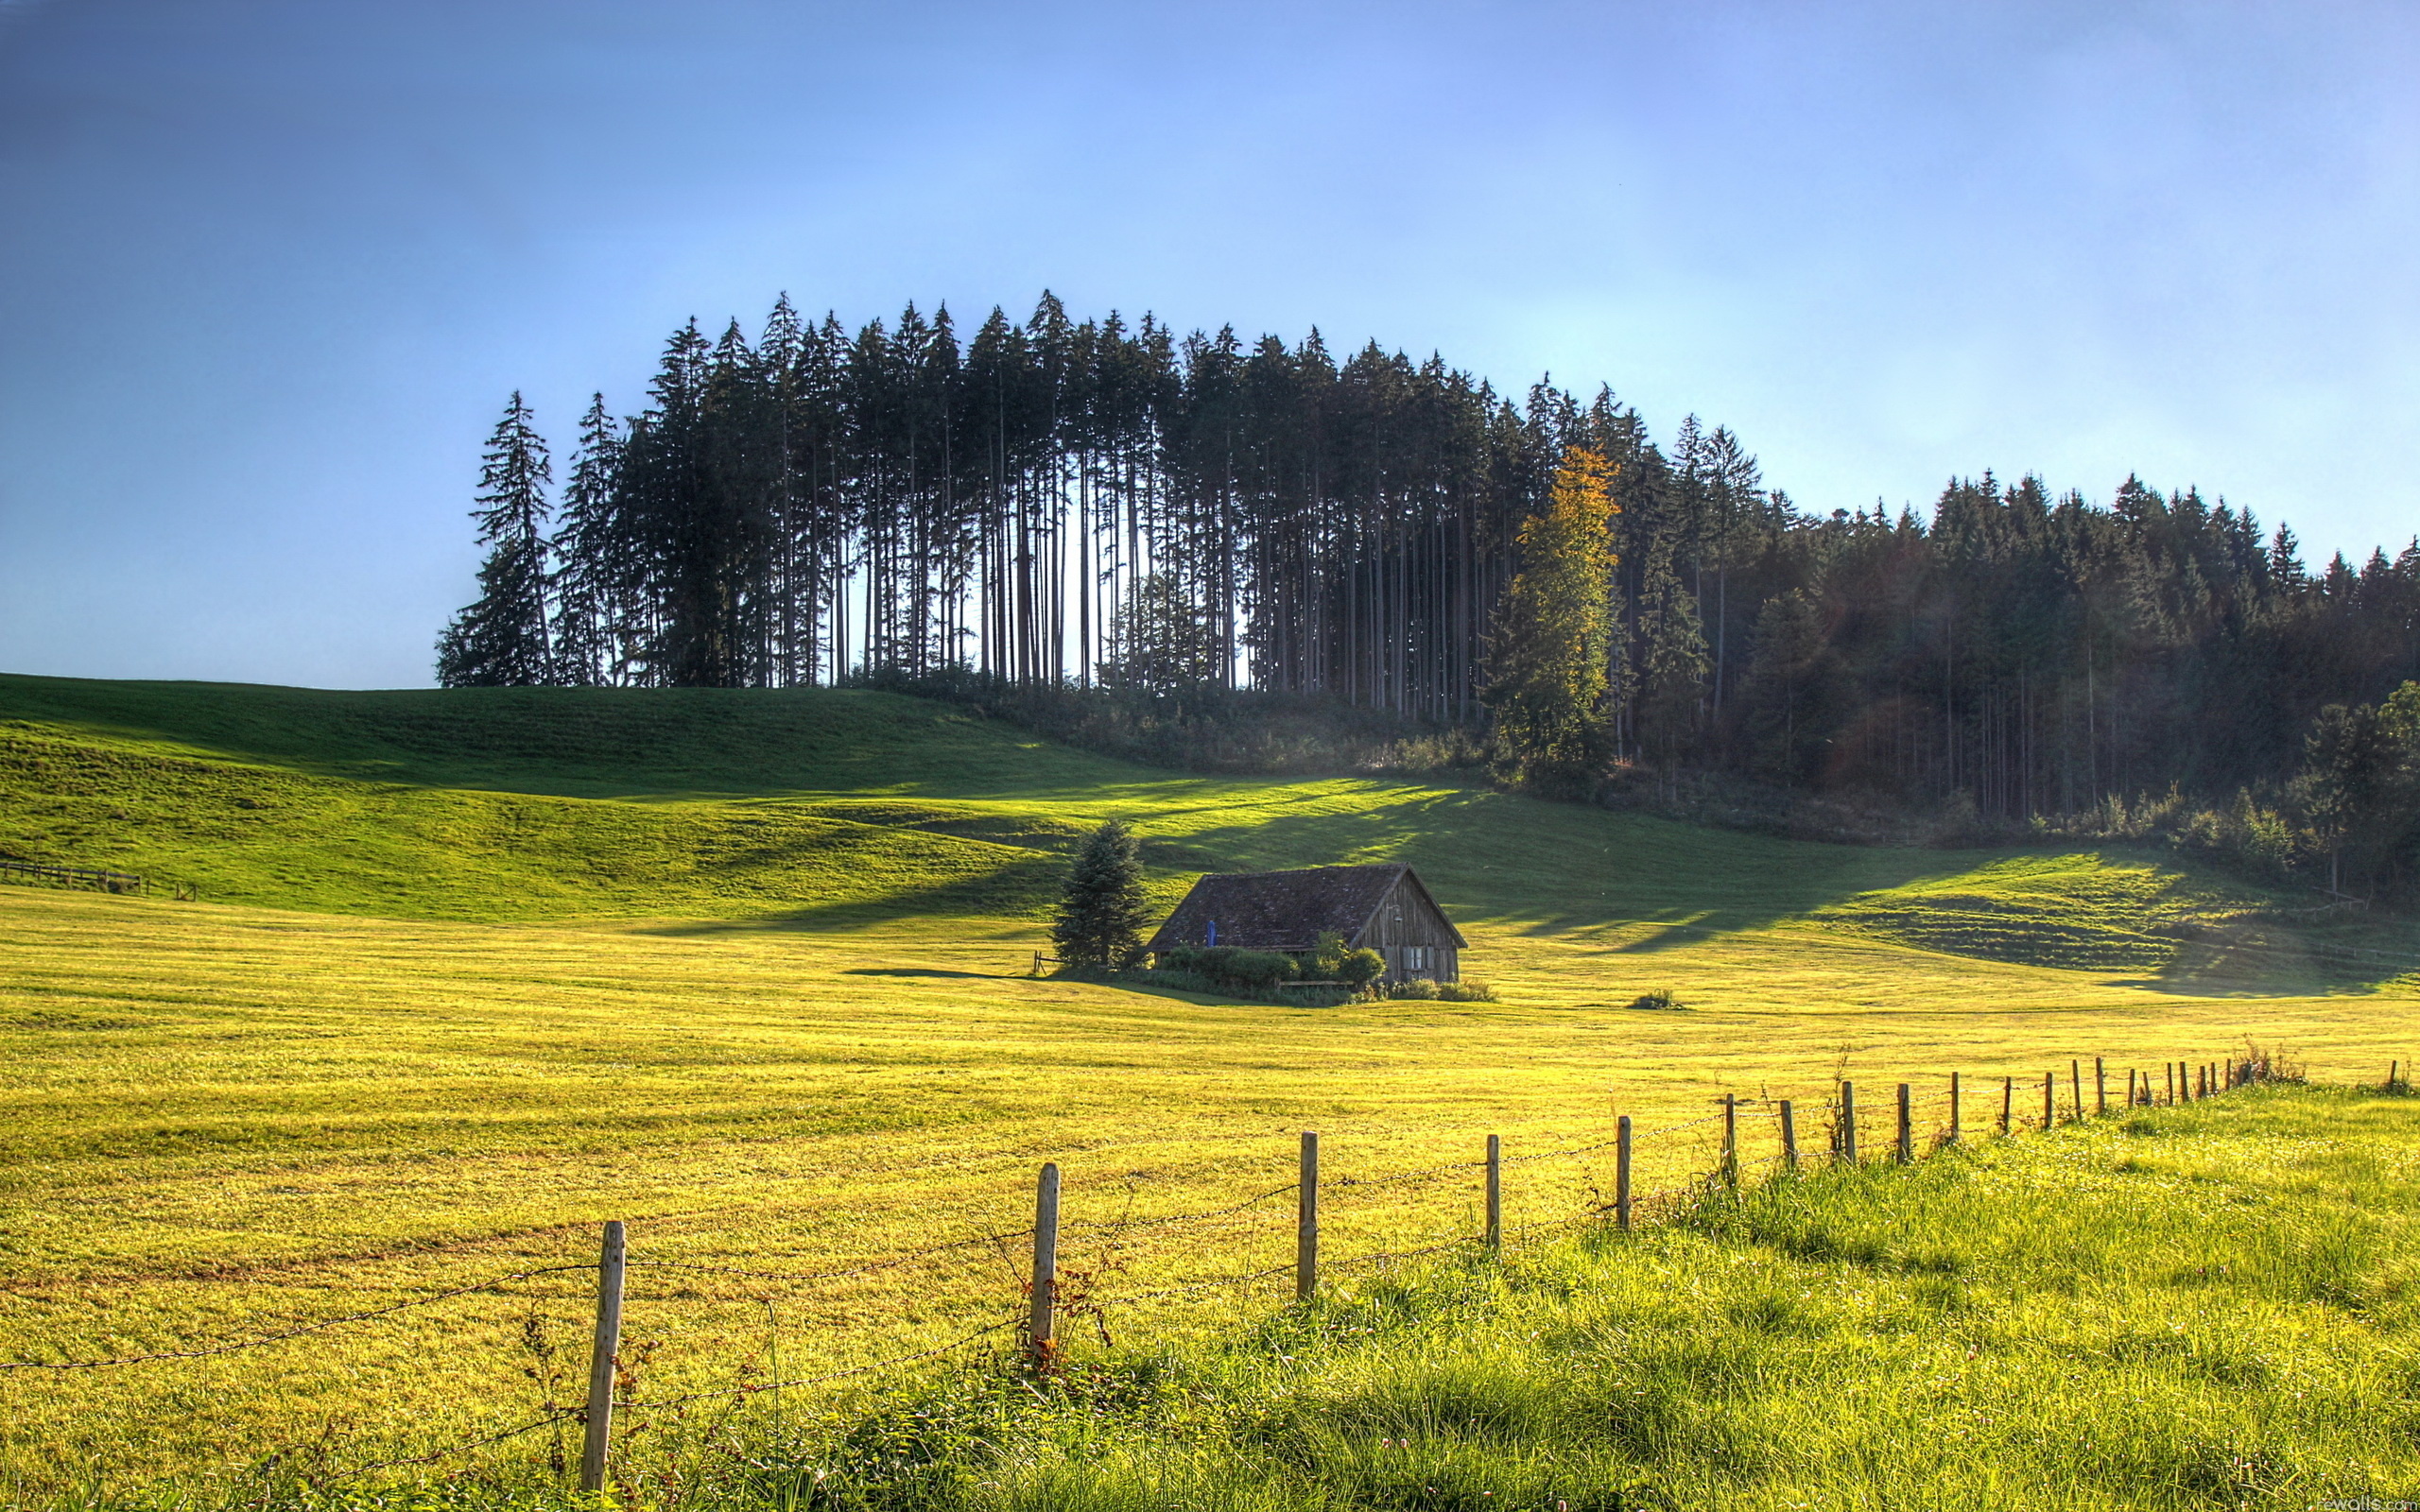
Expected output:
(270, 268)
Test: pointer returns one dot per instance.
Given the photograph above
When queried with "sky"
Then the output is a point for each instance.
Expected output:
(270, 268)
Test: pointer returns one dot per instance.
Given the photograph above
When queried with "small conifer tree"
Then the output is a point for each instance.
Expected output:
(504, 639)
(1102, 911)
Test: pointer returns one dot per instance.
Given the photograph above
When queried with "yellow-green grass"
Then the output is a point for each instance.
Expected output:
(223, 1119)
(2209, 1307)
(840, 808)
(474, 971)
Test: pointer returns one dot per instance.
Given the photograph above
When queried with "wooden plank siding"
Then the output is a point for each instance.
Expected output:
(1382, 907)
(1411, 931)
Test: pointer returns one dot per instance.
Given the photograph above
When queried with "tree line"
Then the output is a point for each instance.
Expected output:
(1102, 506)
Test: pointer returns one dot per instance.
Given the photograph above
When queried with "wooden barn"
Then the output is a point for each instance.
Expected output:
(1380, 909)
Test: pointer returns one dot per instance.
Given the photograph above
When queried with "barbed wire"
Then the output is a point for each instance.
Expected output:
(566, 1414)
(322, 1326)
(1760, 1109)
(1129, 1226)
(1210, 1284)
(887, 1262)
(754, 1388)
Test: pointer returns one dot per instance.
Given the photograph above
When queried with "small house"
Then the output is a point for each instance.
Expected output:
(1380, 909)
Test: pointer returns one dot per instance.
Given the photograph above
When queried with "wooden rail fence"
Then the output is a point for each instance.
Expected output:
(99, 880)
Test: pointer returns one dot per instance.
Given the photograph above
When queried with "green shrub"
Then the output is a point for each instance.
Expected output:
(1327, 963)
(1315, 995)
(1234, 969)
(1361, 968)
(1465, 991)
(1661, 998)
(1419, 988)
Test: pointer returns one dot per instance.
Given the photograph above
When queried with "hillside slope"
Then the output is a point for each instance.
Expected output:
(820, 808)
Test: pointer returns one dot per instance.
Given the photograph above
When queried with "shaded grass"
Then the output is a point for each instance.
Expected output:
(825, 809)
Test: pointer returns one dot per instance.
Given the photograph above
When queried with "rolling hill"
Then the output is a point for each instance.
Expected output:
(816, 808)
(470, 972)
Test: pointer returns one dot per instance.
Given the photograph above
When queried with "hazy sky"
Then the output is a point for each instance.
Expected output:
(267, 270)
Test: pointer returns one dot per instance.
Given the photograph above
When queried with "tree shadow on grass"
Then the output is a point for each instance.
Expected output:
(1199, 1000)
(1021, 888)
(2267, 957)
(1566, 868)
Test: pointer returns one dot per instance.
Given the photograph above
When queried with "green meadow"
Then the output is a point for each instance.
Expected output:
(470, 972)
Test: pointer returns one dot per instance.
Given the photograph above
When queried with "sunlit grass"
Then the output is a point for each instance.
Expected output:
(462, 987)
(2203, 1307)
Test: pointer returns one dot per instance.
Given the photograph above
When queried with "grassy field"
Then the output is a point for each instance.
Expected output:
(2212, 1307)
(472, 973)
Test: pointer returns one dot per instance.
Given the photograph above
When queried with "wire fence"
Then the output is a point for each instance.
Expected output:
(1048, 1289)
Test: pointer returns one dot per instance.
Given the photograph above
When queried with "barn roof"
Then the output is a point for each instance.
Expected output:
(1286, 910)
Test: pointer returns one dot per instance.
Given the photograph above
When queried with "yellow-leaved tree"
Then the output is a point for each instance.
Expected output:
(1552, 645)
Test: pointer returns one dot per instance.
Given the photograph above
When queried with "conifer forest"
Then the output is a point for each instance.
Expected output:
(1094, 505)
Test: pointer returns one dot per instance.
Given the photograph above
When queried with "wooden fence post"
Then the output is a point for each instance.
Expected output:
(1622, 1174)
(1848, 1122)
(2050, 1098)
(601, 1359)
(1789, 1136)
(1307, 1222)
(1955, 1110)
(1907, 1152)
(1494, 1191)
(2100, 1085)
(2008, 1105)
(1731, 1139)
(2172, 1084)
(2394, 1073)
(2130, 1087)
(2074, 1085)
(1043, 1324)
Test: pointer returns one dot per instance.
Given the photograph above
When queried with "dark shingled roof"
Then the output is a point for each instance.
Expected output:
(1284, 910)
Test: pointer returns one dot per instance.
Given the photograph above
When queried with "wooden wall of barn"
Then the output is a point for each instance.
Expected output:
(1413, 937)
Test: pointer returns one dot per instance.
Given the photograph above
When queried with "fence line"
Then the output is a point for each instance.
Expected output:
(298, 1331)
(1076, 1294)
(93, 877)
(564, 1415)
(888, 1263)
(755, 1386)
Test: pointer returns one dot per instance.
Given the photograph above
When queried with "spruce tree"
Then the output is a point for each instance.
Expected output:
(1102, 910)
(503, 640)
(1672, 658)
(586, 604)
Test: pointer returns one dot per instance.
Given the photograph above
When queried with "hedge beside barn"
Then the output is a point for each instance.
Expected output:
(1384, 908)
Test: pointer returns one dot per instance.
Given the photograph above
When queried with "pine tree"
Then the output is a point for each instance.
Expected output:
(1672, 658)
(1102, 910)
(503, 640)
(1553, 643)
(587, 619)
(1160, 640)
